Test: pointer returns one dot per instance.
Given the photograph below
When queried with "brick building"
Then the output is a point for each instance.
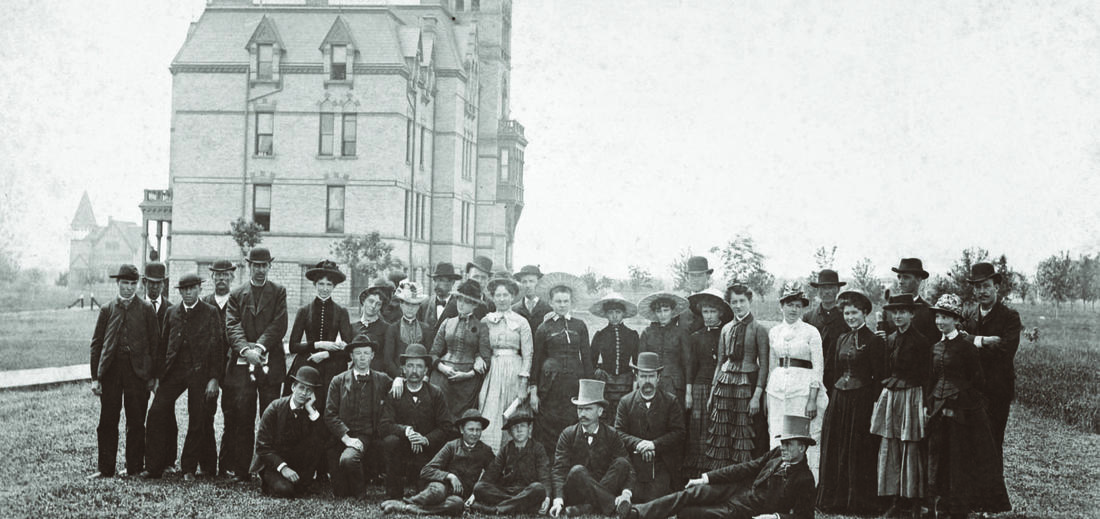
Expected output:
(323, 118)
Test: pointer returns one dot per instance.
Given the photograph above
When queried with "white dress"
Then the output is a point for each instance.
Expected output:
(509, 336)
(789, 387)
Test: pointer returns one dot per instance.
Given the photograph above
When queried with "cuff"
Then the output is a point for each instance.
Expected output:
(978, 341)
(706, 480)
(280, 467)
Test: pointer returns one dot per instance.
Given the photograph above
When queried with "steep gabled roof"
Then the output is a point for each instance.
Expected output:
(339, 34)
(84, 218)
(266, 32)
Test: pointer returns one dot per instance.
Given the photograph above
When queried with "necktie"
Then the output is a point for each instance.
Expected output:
(440, 302)
(590, 437)
(155, 306)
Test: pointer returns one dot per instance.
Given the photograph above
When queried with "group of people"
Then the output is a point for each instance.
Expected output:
(489, 395)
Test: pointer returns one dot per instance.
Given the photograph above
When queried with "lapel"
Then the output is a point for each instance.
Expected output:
(257, 296)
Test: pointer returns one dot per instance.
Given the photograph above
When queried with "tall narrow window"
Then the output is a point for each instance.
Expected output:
(263, 65)
(459, 5)
(348, 138)
(462, 224)
(409, 135)
(327, 124)
(335, 218)
(504, 164)
(475, 5)
(423, 144)
(339, 62)
(422, 216)
(261, 205)
(265, 131)
(408, 213)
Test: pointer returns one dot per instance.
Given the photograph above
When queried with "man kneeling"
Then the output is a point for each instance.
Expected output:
(518, 480)
(291, 436)
(777, 485)
(451, 474)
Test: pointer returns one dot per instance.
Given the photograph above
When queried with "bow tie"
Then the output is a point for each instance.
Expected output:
(298, 413)
(440, 302)
(362, 378)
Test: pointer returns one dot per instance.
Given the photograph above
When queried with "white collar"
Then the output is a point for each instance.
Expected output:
(742, 318)
(253, 283)
(408, 321)
(954, 333)
(360, 374)
(568, 315)
(324, 299)
(533, 300)
(189, 308)
(595, 429)
(984, 312)
(221, 300)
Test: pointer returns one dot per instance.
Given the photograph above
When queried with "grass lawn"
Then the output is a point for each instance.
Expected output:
(45, 338)
(47, 440)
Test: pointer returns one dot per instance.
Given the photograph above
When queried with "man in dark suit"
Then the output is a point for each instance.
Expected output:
(221, 274)
(698, 278)
(443, 282)
(154, 281)
(828, 320)
(353, 415)
(591, 471)
(911, 274)
(477, 270)
(290, 440)
(651, 423)
(996, 332)
(256, 322)
(126, 333)
(190, 357)
(530, 306)
(776, 485)
(416, 424)
(518, 479)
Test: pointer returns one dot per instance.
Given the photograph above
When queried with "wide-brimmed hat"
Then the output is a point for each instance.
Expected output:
(520, 416)
(327, 269)
(597, 308)
(589, 392)
(828, 278)
(796, 428)
(223, 265)
(481, 263)
(698, 264)
(446, 270)
(982, 271)
(410, 292)
(561, 279)
(644, 306)
(793, 290)
(648, 361)
(713, 297)
(469, 290)
(911, 266)
(188, 280)
(416, 351)
(950, 304)
(362, 340)
(155, 271)
(307, 375)
(900, 301)
(381, 286)
(855, 295)
(503, 279)
(127, 272)
(260, 255)
(471, 415)
(529, 270)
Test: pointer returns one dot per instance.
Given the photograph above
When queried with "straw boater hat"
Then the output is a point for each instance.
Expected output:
(468, 290)
(911, 266)
(950, 304)
(982, 271)
(529, 270)
(410, 292)
(503, 278)
(793, 290)
(127, 272)
(307, 375)
(644, 305)
(855, 295)
(629, 309)
(327, 269)
(827, 278)
(698, 264)
(416, 351)
(189, 280)
(648, 361)
(471, 415)
(260, 255)
(561, 279)
(446, 270)
(713, 297)
(796, 428)
(589, 392)
(901, 302)
(223, 265)
(154, 271)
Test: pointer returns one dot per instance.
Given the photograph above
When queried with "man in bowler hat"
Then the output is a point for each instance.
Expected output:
(153, 281)
(531, 307)
(911, 274)
(698, 278)
(651, 423)
(222, 273)
(126, 333)
(828, 320)
(290, 440)
(477, 270)
(443, 281)
(518, 479)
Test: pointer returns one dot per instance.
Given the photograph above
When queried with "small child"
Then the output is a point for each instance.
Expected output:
(615, 348)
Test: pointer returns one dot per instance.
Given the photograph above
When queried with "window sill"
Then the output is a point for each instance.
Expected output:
(348, 157)
(271, 82)
(338, 82)
(263, 157)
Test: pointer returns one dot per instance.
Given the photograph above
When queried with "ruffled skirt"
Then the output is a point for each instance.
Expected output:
(729, 436)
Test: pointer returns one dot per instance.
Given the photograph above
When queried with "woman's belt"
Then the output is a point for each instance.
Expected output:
(787, 362)
(505, 353)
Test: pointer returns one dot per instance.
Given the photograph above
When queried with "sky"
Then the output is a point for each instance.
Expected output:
(883, 128)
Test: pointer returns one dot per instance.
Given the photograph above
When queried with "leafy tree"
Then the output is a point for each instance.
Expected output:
(824, 258)
(595, 282)
(1055, 278)
(742, 263)
(679, 270)
(366, 255)
(246, 233)
(62, 279)
(956, 283)
(1086, 272)
(640, 277)
(863, 278)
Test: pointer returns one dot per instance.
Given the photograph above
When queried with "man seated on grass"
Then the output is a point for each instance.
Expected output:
(451, 474)
(518, 480)
(291, 438)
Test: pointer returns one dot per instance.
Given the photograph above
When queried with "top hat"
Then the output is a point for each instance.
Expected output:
(127, 272)
(900, 301)
(154, 271)
(950, 304)
(629, 309)
(410, 292)
(589, 392)
(827, 278)
(528, 270)
(793, 290)
(189, 280)
(644, 306)
(469, 290)
(223, 265)
(554, 280)
(520, 416)
(856, 297)
(481, 263)
(416, 351)
(362, 340)
(982, 271)
(911, 266)
(698, 264)
(380, 286)
(648, 361)
(327, 269)
(445, 270)
(503, 279)
(307, 375)
(471, 415)
(714, 298)
(796, 428)
(260, 255)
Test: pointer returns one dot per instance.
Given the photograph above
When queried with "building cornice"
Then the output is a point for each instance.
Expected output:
(360, 69)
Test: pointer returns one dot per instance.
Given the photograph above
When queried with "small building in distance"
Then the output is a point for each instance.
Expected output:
(95, 251)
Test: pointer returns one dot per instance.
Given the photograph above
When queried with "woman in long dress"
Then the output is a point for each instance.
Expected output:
(321, 330)
(669, 341)
(712, 308)
(508, 335)
(795, 369)
(461, 361)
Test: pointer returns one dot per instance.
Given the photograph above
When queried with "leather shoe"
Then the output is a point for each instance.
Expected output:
(577, 511)
(622, 510)
(479, 508)
(149, 475)
(188, 477)
(100, 475)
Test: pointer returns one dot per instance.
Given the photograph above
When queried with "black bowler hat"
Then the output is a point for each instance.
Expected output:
(828, 278)
(260, 255)
(223, 265)
(446, 270)
(362, 340)
(982, 271)
(416, 351)
(911, 266)
(529, 270)
(189, 280)
(307, 375)
(154, 271)
(699, 264)
(127, 272)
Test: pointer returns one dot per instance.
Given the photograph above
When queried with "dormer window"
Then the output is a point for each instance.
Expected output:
(265, 49)
(339, 69)
(338, 53)
(263, 64)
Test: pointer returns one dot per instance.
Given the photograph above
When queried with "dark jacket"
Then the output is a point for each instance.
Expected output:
(339, 406)
(202, 332)
(430, 417)
(791, 495)
(573, 449)
(515, 468)
(481, 310)
(258, 315)
(377, 331)
(536, 315)
(860, 360)
(662, 424)
(277, 439)
(394, 347)
(426, 314)
(923, 320)
(830, 324)
(997, 361)
(142, 334)
(603, 349)
(302, 337)
(454, 458)
(908, 360)
(958, 380)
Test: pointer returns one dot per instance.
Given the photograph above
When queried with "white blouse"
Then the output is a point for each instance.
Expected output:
(797, 341)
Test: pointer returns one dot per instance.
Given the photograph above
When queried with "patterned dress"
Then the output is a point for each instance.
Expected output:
(731, 437)
(562, 358)
(508, 336)
(457, 345)
(704, 359)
